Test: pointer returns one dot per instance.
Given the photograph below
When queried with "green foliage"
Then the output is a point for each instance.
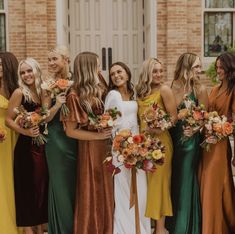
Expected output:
(211, 73)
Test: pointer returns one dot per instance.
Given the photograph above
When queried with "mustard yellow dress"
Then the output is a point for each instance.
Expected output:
(159, 182)
(7, 201)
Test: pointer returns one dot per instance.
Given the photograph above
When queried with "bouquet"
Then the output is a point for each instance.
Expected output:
(106, 120)
(3, 134)
(156, 117)
(192, 115)
(136, 151)
(217, 126)
(57, 87)
(29, 119)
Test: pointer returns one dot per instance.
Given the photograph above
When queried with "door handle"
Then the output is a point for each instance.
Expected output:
(103, 59)
(109, 57)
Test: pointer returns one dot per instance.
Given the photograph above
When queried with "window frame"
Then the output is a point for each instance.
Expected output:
(208, 60)
(4, 11)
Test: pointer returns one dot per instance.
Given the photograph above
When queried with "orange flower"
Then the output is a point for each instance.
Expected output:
(105, 117)
(182, 113)
(150, 115)
(217, 127)
(62, 84)
(197, 115)
(138, 138)
(206, 115)
(35, 118)
(227, 129)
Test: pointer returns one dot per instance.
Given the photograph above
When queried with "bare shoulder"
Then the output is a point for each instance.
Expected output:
(165, 89)
(17, 93)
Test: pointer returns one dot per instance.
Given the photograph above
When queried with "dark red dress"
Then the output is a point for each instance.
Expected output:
(30, 179)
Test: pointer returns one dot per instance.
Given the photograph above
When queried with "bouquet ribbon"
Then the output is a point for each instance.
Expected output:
(134, 199)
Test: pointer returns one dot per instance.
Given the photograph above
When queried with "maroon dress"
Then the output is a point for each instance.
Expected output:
(94, 191)
(30, 179)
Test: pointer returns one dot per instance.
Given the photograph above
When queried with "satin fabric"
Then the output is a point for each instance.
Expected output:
(158, 192)
(7, 198)
(185, 195)
(61, 155)
(215, 174)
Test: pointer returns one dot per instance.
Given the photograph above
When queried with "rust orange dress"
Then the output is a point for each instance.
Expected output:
(215, 175)
(94, 190)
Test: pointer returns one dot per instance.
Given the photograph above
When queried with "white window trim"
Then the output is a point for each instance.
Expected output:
(5, 11)
(208, 60)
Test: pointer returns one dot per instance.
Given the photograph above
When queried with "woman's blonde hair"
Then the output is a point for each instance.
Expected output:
(143, 87)
(38, 78)
(63, 51)
(86, 80)
(184, 72)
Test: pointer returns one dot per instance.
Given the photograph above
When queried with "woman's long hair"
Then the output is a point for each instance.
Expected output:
(143, 87)
(38, 78)
(184, 72)
(9, 72)
(227, 61)
(86, 80)
(130, 87)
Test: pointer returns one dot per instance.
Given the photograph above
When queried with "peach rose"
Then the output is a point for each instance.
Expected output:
(182, 113)
(227, 129)
(35, 118)
(62, 84)
(197, 115)
(125, 133)
(217, 127)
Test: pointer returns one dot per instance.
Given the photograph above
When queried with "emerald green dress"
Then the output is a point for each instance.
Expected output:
(185, 195)
(61, 154)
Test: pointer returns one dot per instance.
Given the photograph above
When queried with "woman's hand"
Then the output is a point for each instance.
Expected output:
(60, 99)
(211, 140)
(155, 131)
(32, 132)
(105, 133)
(188, 131)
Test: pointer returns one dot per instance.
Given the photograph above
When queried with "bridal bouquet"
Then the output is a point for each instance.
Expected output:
(192, 115)
(156, 117)
(105, 120)
(29, 119)
(136, 151)
(3, 134)
(56, 87)
(218, 127)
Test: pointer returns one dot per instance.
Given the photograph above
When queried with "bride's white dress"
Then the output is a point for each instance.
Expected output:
(124, 218)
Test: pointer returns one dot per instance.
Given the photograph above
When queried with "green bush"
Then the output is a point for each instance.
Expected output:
(211, 73)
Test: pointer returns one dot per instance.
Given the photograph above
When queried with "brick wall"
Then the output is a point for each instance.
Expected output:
(31, 28)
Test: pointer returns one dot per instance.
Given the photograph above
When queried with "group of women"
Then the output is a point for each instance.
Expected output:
(65, 182)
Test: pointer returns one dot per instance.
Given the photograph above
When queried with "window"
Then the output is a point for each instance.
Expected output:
(219, 16)
(2, 26)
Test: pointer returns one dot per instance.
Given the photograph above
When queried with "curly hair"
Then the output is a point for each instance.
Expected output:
(38, 78)
(86, 80)
(9, 72)
(143, 87)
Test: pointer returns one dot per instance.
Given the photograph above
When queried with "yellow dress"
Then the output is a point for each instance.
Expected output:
(7, 201)
(159, 182)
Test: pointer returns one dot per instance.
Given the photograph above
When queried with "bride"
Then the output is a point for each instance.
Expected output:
(121, 95)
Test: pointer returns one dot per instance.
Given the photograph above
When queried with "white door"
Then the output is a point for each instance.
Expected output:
(111, 28)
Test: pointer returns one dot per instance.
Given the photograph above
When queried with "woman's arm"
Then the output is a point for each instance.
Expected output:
(74, 132)
(203, 96)
(46, 102)
(169, 102)
(15, 101)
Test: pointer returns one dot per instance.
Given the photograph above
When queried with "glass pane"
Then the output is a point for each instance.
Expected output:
(1, 4)
(219, 3)
(2, 33)
(217, 33)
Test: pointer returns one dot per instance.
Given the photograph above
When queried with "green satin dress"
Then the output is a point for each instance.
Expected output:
(185, 194)
(61, 154)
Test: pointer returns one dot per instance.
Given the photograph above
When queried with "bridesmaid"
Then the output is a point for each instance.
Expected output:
(30, 169)
(8, 83)
(216, 180)
(94, 195)
(185, 190)
(61, 152)
(121, 96)
(150, 89)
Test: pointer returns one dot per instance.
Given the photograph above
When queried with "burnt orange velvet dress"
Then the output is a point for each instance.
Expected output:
(215, 175)
(94, 191)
